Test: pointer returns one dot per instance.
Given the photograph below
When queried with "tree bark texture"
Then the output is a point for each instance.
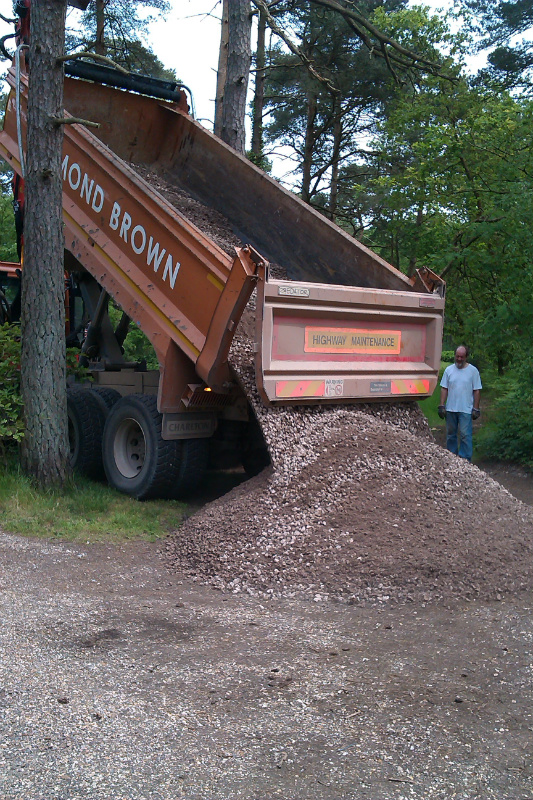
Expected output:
(222, 71)
(239, 61)
(309, 146)
(100, 28)
(45, 452)
(335, 159)
(259, 89)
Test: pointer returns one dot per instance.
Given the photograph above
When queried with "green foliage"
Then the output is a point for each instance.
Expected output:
(452, 188)
(125, 34)
(137, 347)
(11, 406)
(499, 24)
(8, 239)
(260, 160)
(11, 422)
(319, 125)
(327, 127)
(508, 432)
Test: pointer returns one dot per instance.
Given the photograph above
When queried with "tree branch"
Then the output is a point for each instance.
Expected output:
(382, 38)
(273, 25)
(95, 57)
(74, 121)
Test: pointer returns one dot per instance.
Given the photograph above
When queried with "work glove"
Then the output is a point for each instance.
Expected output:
(475, 413)
(442, 412)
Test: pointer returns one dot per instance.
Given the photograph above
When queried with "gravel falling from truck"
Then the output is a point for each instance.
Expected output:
(359, 504)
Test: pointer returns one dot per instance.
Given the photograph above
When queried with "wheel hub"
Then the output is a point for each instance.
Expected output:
(129, 448)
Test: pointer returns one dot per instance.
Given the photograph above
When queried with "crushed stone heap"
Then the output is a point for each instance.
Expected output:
(360, 505)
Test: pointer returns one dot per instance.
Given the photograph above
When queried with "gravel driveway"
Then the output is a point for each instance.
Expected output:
(120, 681)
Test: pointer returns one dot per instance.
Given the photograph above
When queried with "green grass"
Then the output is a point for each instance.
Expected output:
(84, 512)
(430, 404)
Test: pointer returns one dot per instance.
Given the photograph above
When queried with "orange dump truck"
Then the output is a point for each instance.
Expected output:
(345, 326)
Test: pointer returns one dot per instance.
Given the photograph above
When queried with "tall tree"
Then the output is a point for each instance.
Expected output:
(232, 129)
(118, 30)
(396, 56)
(499, 24)
(222, 70)
(45, 454)
(258, 107)
(326, 120)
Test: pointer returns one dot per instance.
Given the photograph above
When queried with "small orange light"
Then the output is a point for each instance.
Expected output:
(207, 389)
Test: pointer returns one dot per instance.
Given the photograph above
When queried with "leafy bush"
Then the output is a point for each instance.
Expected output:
(11, 423)
(508, 434)
(11, 406)
(137, 346)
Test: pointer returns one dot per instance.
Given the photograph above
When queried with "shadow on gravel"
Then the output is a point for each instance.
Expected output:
(215, 484)
(514, 478)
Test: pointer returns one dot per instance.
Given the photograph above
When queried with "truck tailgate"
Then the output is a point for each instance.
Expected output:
(318, 342)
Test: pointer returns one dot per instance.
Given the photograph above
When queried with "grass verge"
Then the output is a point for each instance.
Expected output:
(84, 512)
(430, 404)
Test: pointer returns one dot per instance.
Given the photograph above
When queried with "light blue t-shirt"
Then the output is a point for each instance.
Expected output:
(461, 384)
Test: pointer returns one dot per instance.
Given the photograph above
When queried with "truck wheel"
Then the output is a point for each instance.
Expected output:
(194, 457)
(108, 395)
(137, 461)
(85, 429)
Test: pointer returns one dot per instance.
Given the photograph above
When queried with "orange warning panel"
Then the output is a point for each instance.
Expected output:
(410, 387)
(300, 388)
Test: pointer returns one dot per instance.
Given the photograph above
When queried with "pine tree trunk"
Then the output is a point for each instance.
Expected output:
(335, 160)
(222, 71)
(239, 60)
(259, 90)
(100, 28)
(420, 219)
(45, 452)
(309, 146)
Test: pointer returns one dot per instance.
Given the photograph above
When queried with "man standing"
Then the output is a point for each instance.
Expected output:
(459, 403)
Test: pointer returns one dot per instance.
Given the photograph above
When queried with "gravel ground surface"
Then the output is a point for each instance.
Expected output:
(121, 681)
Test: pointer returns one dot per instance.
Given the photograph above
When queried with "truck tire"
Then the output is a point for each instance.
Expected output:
(108, 395)
(85, 430)
(194, 458)
(138, 462)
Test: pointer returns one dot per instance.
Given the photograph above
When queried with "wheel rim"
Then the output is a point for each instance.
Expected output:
(129, 448)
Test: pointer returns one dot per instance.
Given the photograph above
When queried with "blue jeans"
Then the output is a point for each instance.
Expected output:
(459, 434)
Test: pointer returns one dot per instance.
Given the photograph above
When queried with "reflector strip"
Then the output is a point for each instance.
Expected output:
(300, 388)
(410, 387)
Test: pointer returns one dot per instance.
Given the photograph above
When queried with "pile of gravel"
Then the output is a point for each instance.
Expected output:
(359, 504)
